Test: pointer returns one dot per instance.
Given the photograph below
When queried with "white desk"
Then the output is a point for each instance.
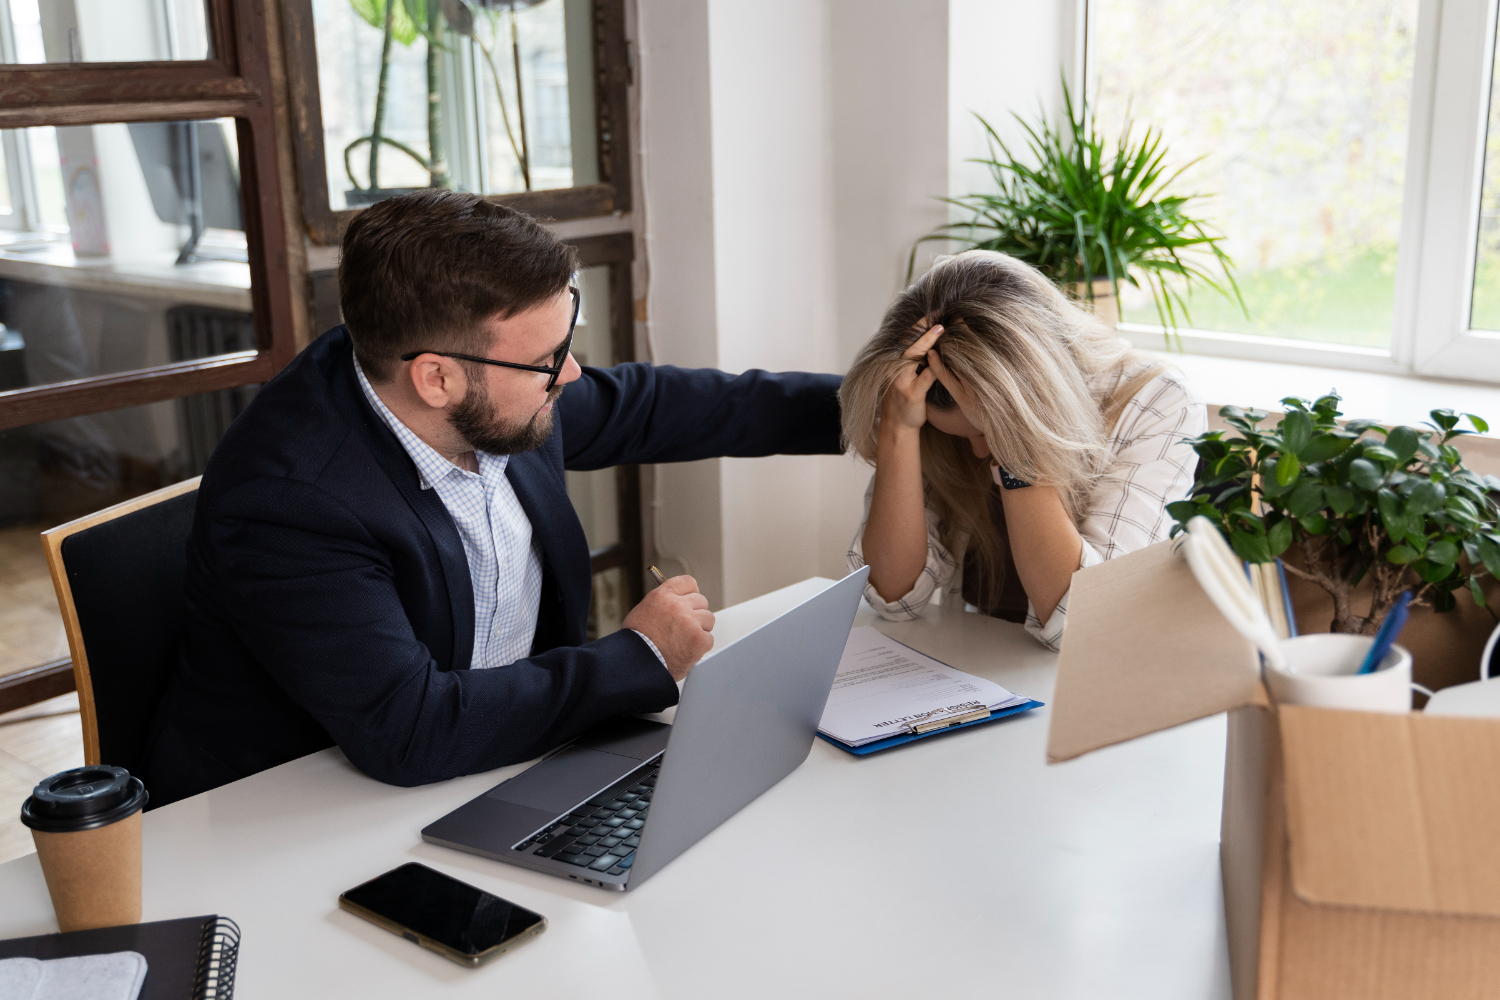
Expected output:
(960, 865)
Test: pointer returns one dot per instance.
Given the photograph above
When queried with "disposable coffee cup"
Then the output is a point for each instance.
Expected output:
(87, 826)
(1322, 671)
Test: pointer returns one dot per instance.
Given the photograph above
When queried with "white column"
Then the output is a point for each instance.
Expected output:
(793, 151)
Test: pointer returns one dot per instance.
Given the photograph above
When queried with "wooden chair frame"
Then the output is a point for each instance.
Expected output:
(52, 541)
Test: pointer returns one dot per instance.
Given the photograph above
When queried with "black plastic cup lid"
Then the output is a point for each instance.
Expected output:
(83, 798)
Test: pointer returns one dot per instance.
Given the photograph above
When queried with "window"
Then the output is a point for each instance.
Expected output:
(522, 102)
(1344, 144)
(143, 286)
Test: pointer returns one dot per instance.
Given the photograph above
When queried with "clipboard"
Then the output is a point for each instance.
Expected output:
(923, 730)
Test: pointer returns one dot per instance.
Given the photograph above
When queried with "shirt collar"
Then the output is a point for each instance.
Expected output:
(432, 468)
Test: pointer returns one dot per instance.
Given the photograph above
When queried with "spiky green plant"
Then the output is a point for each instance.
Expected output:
(1078, 208)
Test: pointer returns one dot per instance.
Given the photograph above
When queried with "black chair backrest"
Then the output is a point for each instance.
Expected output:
(126, 575)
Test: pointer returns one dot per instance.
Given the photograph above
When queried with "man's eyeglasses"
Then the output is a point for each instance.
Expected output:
(559, 359)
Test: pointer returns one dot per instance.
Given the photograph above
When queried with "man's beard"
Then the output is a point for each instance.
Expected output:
(474, 418)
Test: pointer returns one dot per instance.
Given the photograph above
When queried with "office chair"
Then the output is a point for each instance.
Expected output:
(118, 575)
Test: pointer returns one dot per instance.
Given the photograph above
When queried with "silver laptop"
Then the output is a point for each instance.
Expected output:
(616, 805)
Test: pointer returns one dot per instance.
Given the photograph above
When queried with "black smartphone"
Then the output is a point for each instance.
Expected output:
(452, 918)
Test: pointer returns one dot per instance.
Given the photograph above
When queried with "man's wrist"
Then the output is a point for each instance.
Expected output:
(651, 644)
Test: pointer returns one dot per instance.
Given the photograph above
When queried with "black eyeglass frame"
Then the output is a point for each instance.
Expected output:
(553, 370)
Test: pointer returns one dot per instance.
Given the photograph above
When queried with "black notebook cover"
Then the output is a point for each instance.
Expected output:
(189, 959)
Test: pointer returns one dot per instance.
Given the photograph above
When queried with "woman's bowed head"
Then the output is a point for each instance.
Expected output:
(984, 375)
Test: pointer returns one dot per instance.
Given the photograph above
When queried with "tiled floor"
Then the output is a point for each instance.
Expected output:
(36, 741)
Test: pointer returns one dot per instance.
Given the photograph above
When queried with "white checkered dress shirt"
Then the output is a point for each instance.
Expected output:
(1152, 467)
(504, 567)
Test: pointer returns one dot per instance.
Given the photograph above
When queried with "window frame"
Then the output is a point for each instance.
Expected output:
(612, 77)
(236, 83)
(616, 251)
(1438, 236)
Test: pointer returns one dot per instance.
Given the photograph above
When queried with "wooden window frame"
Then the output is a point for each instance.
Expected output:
(616, 251)
(237, 83)
(611, 81)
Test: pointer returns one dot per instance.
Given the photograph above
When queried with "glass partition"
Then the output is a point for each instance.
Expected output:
(55, 472)
(125, 250)
(475, 95)
(92, 31)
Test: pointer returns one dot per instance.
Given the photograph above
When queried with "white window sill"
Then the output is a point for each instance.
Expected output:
(1388, 398)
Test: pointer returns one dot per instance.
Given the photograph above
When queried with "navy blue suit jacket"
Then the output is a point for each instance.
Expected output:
(328, 595)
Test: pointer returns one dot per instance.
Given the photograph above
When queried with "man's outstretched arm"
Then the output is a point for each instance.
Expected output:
(640, 413)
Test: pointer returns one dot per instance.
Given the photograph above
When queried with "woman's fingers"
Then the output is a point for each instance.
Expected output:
(950, 382)
(935, 363)
(924, 344)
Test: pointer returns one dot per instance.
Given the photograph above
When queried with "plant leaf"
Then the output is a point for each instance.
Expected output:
(1442, 553)
(1306, 499)
(1297, 429)
(1489, 553)
(1391, 514)
(1365, 474)
(1323, 447)
(1182, 510)
(1402, 443)
(1401, 555)
(1427, 496)
(1279, 537)
(1476, 591)
(1479, 423)
(1287, 468)
(1340, 498)
(1251, 548)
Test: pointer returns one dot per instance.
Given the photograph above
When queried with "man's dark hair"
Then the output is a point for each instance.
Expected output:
(422, 272)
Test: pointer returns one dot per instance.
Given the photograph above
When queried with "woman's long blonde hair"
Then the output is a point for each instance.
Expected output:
(1049, 378)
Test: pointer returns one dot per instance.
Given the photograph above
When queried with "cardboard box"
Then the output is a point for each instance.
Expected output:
(1360, 851)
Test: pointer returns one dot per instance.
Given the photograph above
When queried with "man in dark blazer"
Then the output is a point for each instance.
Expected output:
(384, 556)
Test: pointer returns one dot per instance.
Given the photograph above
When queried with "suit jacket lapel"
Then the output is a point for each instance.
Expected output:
(426, 504)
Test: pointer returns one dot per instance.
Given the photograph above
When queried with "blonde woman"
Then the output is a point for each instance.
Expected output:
(1015, 440)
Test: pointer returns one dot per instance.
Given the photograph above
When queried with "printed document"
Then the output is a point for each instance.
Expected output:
(883, 685)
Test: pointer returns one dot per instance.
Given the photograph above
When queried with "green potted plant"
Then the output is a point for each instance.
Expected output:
(1092, 215)
(1358, 501)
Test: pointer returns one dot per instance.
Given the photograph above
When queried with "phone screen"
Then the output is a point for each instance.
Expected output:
(451, 912)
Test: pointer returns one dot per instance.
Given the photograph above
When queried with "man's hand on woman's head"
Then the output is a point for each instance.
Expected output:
(905, 402)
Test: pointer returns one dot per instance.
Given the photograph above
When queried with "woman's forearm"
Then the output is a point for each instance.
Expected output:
(1044, 543)
(895, 538)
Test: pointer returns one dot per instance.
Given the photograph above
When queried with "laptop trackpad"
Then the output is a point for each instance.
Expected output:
(561, 782)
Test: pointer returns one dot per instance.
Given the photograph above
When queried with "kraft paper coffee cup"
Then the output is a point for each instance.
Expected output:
(87, 826)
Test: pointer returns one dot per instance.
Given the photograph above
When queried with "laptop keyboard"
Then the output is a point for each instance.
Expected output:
(603, 833)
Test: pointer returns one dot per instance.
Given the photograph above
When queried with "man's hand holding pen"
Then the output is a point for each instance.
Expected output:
(675, 617)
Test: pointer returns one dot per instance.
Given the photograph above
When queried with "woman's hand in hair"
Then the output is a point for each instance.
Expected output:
(895, 534)
(968, 405)
(905, 403)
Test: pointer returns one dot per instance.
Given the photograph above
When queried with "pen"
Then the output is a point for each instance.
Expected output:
(657, 573)
(1395, 618)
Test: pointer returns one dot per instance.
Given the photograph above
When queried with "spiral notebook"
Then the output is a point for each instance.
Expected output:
(189, 959)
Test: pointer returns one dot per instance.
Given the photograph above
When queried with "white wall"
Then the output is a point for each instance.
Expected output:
(793, 151)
